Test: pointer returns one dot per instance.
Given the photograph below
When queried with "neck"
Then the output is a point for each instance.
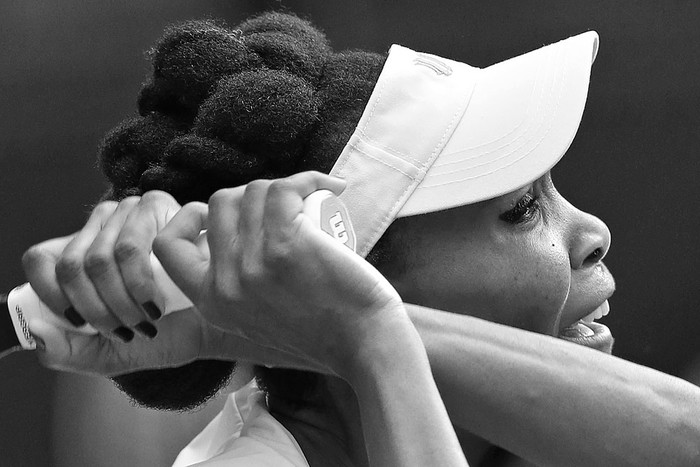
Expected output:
(328, 427)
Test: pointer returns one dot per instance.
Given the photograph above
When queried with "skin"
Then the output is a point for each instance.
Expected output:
(539, 275)
(261, 252)
(453, 342)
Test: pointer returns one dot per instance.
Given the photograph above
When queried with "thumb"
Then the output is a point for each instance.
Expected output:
(52, 343)
(177, 249)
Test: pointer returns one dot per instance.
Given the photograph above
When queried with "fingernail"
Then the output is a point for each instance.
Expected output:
(40, 344)
(147, 329)
(125, 334)
(74, 317)
(152, 310)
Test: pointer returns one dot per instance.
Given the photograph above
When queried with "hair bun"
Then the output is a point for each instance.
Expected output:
(128, 149)
(290, 25)
(261, 111)
(213, 160)
(191, 57)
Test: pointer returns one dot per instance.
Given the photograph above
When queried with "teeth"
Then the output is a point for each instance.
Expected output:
(598, 313)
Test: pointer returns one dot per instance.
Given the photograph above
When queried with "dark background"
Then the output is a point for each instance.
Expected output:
(70, 70)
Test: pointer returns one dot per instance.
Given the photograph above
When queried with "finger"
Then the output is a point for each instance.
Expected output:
(176, 248)
(39, 263)
(252, 209)
(87, 305)
(223, 218)
(285, 198)
(133, 249)
(104, 272)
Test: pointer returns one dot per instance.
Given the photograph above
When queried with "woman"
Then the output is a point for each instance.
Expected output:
(511, 250)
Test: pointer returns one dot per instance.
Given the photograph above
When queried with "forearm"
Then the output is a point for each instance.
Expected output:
(403, 418)
(554, 403)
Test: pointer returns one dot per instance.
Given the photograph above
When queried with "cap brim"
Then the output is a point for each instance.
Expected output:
(521, 119)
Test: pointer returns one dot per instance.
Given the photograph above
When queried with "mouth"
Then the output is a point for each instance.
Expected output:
(588, 333)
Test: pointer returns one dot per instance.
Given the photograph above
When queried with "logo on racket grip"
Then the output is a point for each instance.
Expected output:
(329, 214)
(338, 228)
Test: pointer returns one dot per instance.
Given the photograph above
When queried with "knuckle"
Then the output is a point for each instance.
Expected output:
(156, 197)
(97, 263)
(251, 274)
(224, 291)
(276, 255)
(194, 207)
(220, 197)
(68, 268)
(33, 257)
(105, 208)
(280, 186)
(126, 250)
(130, 201)
(256, 186)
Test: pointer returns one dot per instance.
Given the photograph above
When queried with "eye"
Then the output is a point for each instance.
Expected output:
(524, 210)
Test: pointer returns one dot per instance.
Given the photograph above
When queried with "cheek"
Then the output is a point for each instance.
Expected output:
(518, 279)
(513, 284)
(542, 281)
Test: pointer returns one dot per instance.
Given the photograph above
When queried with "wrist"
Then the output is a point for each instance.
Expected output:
(387, 344)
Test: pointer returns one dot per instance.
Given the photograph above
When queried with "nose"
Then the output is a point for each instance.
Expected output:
(590, 241)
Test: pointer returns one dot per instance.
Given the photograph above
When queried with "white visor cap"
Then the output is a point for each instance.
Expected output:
(438, 134)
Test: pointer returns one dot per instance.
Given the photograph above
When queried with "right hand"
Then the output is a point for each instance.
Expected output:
(268, 275)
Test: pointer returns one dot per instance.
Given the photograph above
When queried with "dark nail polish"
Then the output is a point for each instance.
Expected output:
(124, 333)
(152, 310)
(39, 343)
(74, 317)
(147, 329)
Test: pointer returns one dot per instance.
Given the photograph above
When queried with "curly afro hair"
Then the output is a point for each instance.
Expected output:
(223, 107)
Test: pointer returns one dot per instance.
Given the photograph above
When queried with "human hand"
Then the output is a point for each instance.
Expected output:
(102, 274)
(269, 276)
(110, 257)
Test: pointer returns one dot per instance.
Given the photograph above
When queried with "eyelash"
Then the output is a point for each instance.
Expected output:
(525, 210)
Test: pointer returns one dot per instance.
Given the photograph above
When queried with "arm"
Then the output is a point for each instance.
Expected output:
(268, 274)
(404, 420)
(597, 394)
(554, 403)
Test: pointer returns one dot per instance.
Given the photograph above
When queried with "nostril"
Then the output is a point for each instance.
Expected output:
(595, 256)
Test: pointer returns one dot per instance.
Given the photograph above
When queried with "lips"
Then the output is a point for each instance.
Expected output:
(587, 332)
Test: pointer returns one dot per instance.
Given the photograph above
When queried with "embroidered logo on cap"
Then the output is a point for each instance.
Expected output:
(434, 63)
